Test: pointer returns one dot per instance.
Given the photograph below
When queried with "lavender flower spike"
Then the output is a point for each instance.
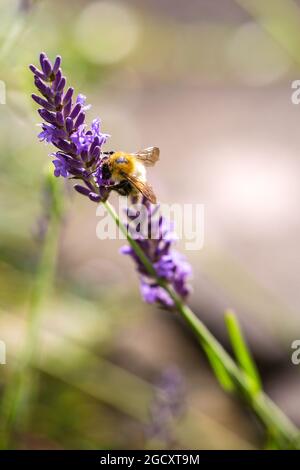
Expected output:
(169, 265)
(78, 153)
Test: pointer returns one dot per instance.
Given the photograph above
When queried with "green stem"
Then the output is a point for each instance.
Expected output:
(275, 421)
(14, 401)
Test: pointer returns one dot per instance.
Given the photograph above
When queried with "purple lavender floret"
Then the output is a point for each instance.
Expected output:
(169, 265)
(79, 148)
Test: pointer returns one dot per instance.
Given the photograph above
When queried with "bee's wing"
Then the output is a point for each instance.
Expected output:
(148, 156)
(144, 188)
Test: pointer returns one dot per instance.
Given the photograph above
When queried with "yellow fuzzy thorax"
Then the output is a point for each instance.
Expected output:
(120, 163)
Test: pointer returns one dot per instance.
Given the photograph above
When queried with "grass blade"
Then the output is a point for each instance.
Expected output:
(241, 351)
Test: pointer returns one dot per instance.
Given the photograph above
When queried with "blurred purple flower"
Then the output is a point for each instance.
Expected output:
(168, 405)
(25, 6)
(168, 264)
(48, 204)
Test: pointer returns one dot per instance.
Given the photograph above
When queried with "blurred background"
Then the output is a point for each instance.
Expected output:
(209, 82)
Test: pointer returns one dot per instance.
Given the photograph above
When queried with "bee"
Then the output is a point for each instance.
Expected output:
(128, 173)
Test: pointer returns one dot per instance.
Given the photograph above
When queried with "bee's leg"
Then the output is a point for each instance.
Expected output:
(105, 194)
(106, 190)
(124, 188)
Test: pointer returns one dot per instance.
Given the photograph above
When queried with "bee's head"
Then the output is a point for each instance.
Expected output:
(122, 162)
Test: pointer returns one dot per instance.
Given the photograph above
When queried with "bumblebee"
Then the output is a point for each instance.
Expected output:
(128, 173)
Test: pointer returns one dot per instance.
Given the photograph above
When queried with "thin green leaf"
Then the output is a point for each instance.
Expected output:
(241, 351)
(220, 372)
